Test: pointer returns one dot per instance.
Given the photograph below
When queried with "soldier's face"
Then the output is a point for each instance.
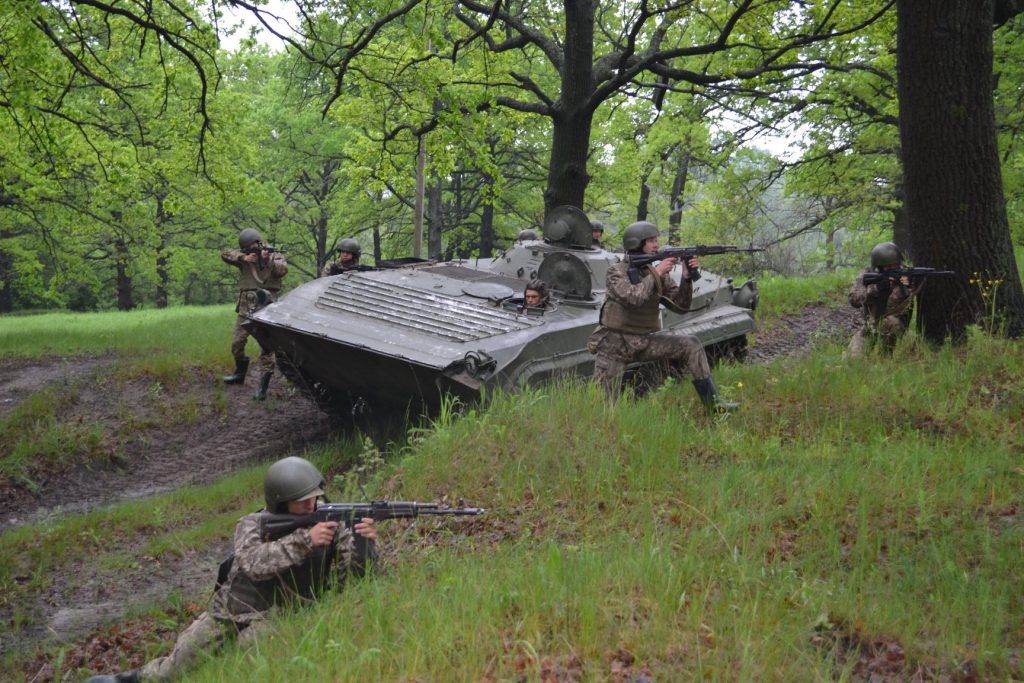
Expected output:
(345, 256)
(651, 245)
(596, 234)
(302, 507)
(532, 297)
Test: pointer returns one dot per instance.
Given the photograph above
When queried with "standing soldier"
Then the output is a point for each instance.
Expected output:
(349, 252)
(886, 306)
(630, 323)
(265, 575)
(260, 271)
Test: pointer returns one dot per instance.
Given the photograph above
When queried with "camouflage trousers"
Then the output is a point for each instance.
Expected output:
(887, 332)
(247, 305)
(205, 635)
(615, 350)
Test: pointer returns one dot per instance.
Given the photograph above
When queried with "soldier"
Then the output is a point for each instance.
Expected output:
(535, 295)
(259, 281)
(630, 322)
(885, 307)
(265, 575)
(597, 232)
(349, 252)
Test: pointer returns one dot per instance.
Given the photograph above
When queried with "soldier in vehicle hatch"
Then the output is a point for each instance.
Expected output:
(535, 295)
(266, 575)
(260, 270)
(886, 307)
(597, 233)
(630, 322)
(349, 252)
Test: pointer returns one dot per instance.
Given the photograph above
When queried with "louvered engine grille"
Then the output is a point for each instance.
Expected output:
(424, 312)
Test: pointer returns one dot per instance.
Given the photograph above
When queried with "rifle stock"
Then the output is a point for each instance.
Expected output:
(274, 526)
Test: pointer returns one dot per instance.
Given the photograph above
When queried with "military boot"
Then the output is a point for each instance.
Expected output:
(241, 367)
(712, 400)
(129, 677)
(261, 393)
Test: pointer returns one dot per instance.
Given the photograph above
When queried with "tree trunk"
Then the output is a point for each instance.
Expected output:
(954, 194)
(434, 218)
(675, 216)
(122, 261)
(163, 276)
(573, 113)
(644, 200)
(7, 276)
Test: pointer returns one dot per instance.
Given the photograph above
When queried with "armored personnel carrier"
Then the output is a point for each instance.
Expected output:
(406, 336)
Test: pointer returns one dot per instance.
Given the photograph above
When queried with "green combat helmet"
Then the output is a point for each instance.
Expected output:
(292, 478)
(597, 226)
(351, 246)
(886, 254)
(634, 236)
(248, 237)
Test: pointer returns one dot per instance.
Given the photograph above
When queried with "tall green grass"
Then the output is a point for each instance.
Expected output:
(787, 295)
(200, 334)
(846, 502)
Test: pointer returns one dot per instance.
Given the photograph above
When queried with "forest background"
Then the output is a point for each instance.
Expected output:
(135, 146)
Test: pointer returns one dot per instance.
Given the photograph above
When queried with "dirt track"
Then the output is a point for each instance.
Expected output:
(160, 436)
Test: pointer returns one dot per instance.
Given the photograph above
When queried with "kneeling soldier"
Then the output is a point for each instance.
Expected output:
(630, 323)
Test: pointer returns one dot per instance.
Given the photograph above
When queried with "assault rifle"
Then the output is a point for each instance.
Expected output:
(274, 526)
(258, 249)
(915, 274)
(684, 254)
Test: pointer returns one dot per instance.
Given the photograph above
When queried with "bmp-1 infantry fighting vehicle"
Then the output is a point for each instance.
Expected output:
(409, 335)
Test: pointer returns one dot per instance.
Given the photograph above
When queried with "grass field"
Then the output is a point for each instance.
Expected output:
(855, 519)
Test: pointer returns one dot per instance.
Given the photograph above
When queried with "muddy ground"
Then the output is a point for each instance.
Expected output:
(159, 436)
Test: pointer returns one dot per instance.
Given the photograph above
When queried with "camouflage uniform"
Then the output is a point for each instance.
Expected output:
(337, 267)
(885, 314)
(263, 576)
(630, 327)
(253, 278)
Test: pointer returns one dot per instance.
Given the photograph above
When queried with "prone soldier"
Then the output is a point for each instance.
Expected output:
(264, 575)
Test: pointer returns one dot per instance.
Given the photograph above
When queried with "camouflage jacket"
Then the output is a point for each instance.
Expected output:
(634, 308)
(252, 276)
(336, 268)
(265, 574)
(879, 302)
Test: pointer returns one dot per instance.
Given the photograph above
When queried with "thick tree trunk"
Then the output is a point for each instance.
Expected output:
(954, 195)
(573, 115)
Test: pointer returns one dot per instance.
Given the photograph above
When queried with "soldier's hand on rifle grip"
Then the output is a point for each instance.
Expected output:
(692, 269)
(905, 281)
(322, 534)
(665, 266)
(367, 528)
